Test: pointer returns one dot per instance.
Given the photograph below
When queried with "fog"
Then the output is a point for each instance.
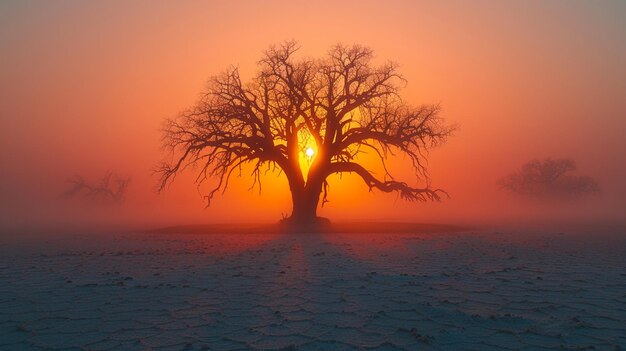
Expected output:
(85, 88)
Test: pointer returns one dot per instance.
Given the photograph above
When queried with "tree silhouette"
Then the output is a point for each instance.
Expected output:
(110, 188)
(342, 102)
(549, 178)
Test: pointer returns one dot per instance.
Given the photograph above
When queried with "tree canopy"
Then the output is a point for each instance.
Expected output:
(549, 178)
(342, 102)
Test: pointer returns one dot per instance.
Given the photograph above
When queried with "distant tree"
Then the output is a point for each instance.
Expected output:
(110, 188)
(342, 103)
(549, 178)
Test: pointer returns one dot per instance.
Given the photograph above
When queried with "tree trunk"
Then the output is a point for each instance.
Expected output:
(304, 207)
(305, 197)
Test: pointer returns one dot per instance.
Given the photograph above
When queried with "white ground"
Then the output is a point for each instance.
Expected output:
(467, 290)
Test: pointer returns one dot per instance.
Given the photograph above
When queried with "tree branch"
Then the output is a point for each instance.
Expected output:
(405, 191)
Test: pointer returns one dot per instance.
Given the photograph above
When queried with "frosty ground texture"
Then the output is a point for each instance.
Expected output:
(440, 291)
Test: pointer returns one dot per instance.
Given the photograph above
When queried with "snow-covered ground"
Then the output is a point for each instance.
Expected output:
(464, 290)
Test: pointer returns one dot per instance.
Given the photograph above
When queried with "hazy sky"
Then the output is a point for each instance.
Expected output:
(85, 87)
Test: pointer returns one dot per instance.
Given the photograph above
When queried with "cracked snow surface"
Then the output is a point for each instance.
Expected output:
(465, 290)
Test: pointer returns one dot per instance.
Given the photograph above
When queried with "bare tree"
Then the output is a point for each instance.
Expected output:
(110, 187)
(549, 178)
(342, 103)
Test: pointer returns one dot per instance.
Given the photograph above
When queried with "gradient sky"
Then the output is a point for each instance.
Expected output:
(85, 87)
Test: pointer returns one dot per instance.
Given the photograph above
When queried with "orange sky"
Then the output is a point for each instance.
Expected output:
(85, 86)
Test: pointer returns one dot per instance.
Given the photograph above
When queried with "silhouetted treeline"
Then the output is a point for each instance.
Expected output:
(549, 179)
(110, 188)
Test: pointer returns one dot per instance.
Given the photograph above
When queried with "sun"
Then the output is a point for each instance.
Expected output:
(309, 151)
